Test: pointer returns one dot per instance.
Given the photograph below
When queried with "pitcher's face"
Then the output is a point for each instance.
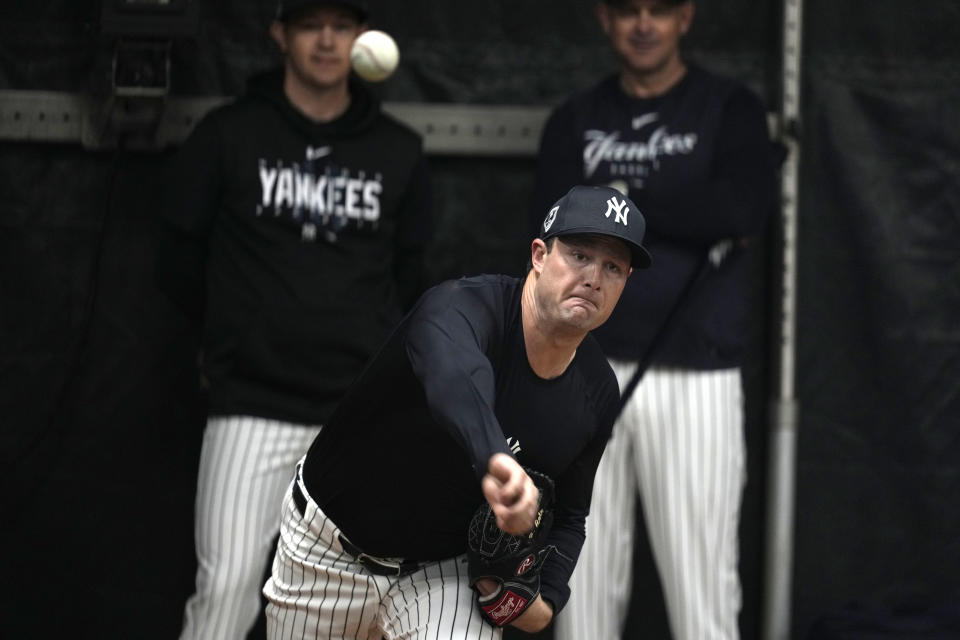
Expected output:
(580, 279)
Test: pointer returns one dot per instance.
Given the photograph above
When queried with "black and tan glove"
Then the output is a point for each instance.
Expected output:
(513, 562)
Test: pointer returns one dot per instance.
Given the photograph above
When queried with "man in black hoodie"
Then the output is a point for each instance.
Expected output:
(297, 222)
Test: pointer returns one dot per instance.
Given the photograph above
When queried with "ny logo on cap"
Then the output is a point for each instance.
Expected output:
(619, 208)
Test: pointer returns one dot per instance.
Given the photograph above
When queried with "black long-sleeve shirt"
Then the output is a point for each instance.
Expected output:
(398, 465)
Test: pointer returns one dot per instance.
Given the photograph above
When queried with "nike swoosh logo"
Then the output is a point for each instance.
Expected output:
(317, 152)
(641, 121)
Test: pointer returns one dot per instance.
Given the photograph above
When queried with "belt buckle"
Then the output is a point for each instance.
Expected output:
(395, 568)
(377, 565)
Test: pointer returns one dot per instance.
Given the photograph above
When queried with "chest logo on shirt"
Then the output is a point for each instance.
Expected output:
(321, 198)
(514, 445)
(638, 155)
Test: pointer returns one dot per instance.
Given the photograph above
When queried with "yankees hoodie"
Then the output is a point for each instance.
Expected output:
(294, 245)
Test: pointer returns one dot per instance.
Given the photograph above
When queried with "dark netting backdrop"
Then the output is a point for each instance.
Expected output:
(103, 419)
(878, 529)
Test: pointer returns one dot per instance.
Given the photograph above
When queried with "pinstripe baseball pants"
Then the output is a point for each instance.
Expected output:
(679, 442)
(318, 590)
(245, 464)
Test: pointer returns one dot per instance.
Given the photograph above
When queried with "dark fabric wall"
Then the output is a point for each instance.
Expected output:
(102, 419)
(879, 311)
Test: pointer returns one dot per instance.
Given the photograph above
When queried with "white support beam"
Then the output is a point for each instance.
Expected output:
(42, 116)
(447, 129)
(492, 130)
(785, 409)
(452, 129)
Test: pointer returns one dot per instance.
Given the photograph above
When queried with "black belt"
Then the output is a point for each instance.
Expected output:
(299, 499)
(375, 565)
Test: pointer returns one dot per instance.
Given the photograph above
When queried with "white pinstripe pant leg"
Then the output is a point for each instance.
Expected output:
(245, 464)
(601, 582)
(680, 439)
(690, 454)
(317, 590)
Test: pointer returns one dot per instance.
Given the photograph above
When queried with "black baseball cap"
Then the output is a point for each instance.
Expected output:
(602, 210)
(285, 8)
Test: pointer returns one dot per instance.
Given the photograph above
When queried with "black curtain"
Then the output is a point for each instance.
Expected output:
(102, 421)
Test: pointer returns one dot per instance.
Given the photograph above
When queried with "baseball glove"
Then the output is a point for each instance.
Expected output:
(513, 562)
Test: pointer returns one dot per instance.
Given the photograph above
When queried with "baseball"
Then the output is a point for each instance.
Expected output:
(374, 55)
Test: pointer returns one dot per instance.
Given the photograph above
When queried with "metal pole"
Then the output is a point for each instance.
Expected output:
(784, 411)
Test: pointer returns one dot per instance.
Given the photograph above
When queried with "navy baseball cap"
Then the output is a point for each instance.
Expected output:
(285, 8)
(602, 210)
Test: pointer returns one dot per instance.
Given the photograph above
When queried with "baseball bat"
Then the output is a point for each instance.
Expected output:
(663, 331)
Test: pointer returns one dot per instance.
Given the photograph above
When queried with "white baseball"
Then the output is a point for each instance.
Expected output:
(621, 186)
(374, 55)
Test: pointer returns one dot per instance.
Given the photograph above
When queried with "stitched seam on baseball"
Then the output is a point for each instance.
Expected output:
(372, 56)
